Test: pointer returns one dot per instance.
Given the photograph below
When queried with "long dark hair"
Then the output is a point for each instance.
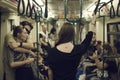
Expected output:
(66, 33)
(110, 49)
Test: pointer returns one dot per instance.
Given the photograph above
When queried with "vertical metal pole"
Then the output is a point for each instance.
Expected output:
(80, 8)
(37, 47)
(103, 43)
(65, 10)
(104, 29)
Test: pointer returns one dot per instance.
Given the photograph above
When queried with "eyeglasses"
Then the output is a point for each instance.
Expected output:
(28, 31)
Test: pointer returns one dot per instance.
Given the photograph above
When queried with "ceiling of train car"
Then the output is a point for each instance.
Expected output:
(57, 6)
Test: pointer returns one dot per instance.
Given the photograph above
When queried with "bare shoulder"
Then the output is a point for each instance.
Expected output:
(65, 47)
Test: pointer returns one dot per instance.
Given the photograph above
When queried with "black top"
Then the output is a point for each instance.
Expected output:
(112, 67)
(64, 65)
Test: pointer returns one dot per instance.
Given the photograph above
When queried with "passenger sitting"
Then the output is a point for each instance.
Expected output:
(87, 65)
(108, 63)
(90, 68)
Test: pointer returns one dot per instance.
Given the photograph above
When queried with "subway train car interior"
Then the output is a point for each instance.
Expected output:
(59, 39)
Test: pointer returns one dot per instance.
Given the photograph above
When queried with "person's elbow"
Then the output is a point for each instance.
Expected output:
(13, 45)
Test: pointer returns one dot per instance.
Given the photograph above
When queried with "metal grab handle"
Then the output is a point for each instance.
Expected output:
(65, 12)
(118, 6)
(33, 12)
(105, 4)
(112, 11)
(96, 8)
(38, 15)
(23, 7)
(38, 12)
(28, 14)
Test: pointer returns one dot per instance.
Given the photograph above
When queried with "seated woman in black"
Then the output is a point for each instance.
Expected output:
(64, 58)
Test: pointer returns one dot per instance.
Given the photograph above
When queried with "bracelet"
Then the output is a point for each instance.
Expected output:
(21, 44)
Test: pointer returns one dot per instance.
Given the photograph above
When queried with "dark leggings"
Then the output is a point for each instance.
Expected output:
(24, 73)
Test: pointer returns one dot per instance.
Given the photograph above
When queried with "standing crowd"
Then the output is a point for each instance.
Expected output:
(59, 58)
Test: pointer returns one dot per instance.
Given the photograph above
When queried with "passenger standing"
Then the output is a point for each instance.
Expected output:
(64, 58)
(44, 41)
(53, 37)
(43, 37)
(19, 61)
(9, 40)
(28, 44)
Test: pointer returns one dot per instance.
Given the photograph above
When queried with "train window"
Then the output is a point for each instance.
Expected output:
(113, 33)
